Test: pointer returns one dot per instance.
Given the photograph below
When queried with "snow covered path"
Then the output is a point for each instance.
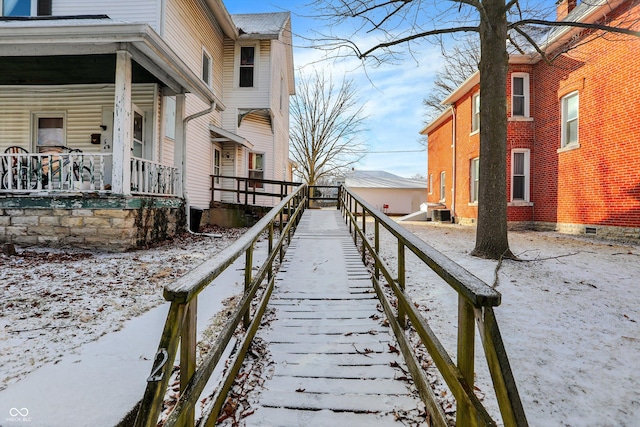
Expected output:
(332, 360)
(98, 384)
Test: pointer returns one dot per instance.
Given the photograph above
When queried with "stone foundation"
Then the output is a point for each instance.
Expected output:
(108, 223)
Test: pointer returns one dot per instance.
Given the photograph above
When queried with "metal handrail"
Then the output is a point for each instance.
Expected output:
(476, 300)
(180, 326)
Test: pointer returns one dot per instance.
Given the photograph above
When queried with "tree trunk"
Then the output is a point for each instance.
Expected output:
(491, 233)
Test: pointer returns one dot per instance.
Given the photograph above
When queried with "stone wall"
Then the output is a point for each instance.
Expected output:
(110, 223)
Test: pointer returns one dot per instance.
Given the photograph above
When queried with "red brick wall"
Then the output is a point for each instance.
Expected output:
(467, 149)
(439, 160)
(599, 182)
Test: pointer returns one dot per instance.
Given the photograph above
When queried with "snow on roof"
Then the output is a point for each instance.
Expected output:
(261, 24)
(381, 179)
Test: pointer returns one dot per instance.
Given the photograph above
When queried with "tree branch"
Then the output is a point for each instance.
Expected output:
(606, 28)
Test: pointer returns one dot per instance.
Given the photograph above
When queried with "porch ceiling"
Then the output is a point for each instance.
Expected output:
(69, 69)
(66, 50)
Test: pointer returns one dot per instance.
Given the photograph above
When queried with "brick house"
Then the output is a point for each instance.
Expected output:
(573, 145)
(114, 115)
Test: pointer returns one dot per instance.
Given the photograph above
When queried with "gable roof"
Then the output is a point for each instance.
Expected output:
(261, 25)
(381, 179)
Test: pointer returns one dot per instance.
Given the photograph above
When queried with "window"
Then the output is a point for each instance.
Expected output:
(520, 175)
(475, 113)
(216, 164)
(25, 7)
(138, 135)
(430, 183)
(170, 117)
(475, 180)
(206, 67)
(570, 105)
(256, 169)
(520, 94)
(50, 129)
(443, 191)
(281, 92)
(247, 65)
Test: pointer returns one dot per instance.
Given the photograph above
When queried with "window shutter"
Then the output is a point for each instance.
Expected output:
(44, 7)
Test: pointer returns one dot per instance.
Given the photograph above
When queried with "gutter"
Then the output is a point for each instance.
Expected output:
(183, 172)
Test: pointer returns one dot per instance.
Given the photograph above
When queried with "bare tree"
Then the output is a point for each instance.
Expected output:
(460, 63)
(398, 26)
(326, 124)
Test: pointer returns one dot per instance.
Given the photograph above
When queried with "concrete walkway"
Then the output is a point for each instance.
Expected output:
(332, 360)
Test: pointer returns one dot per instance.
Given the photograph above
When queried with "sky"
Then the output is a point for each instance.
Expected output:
(393, 93)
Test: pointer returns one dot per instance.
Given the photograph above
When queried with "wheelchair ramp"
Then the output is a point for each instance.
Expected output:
(334, 360)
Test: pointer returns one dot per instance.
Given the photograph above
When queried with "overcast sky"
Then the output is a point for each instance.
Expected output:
(393, 92)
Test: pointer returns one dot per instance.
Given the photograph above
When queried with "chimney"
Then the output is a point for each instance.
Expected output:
(564, 7)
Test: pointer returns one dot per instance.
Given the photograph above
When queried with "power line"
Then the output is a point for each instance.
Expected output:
(391, 151)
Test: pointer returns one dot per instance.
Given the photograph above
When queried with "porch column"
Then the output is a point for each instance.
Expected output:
(122, 125)
(180, 144)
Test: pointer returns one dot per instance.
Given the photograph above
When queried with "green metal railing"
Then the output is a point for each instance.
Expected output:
(180, 325)
(476, 300)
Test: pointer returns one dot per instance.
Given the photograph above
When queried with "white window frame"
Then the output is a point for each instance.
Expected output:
(443, 188)
(475, 112)
(207, 73)
(564, 102)
(430, 183)
(256, 56)
(33, 11)
(140, 141)
(258, 185)
(36, 116)
(525, 95)
(474, 180)
(526, 173)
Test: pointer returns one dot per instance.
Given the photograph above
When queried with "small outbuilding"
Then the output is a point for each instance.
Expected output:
(389, 193)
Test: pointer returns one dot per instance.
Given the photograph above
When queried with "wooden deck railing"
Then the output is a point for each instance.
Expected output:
(475, 305)
(248, 189)
(180, 326)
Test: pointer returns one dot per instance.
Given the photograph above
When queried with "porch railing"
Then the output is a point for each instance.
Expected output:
(60, 172)
(153, 178)
(248, 189)
(80, 172)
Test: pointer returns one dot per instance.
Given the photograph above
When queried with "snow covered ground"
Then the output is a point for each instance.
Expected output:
(54, 301)
(568, 317)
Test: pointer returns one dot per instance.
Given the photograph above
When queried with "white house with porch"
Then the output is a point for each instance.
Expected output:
(114, 115)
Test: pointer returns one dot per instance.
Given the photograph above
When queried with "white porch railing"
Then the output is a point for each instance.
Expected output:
(152, 178)
(59, 172)
(75, 172)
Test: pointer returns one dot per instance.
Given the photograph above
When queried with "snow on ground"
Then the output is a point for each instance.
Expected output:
(569, 319)
(53, 301)
(569, 314)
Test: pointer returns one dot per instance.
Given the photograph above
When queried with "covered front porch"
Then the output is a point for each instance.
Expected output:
(84, 160)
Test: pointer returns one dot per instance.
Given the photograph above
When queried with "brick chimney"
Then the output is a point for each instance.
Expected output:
(564, 7)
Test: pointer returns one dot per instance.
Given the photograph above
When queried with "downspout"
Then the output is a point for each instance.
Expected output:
(186, 121)
(453, 148)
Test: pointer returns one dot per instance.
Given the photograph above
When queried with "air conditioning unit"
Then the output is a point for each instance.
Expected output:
(442, 215)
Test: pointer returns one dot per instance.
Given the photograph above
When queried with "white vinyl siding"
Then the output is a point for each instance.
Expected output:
(82, 106)
(143, 11)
